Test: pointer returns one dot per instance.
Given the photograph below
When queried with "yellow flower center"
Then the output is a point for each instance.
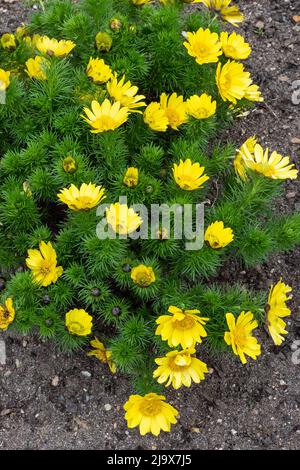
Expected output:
(185, 324)
(150, 407)
(186, 181)
(240, 337)
(180, 362)
(144, 280)
(45, 268)
(105, 123)
(76, 327)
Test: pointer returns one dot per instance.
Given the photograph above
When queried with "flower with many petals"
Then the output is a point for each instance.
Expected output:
(182, 327)
(253, 93)
(102, 354)
(98, 71)
(232, 81)
(234, 46)
(36, 68)
(82, 199)
(217, 235)
(274, 166)
(43, 264)
(180, 368)
(240, 337)
(126, 94)
(131, 177)
(201, 107)
(8, 41)
(150, 413)
(156, 117)
(7, 314)
(143, 275)
(79, 322)
(53, 47)
(189, 176)
(229, 13)
(277, 310)
(122, 219)
(174, 108)
(204, 46)
(106, 116)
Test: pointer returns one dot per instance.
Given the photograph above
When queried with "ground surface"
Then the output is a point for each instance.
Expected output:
(50, 401)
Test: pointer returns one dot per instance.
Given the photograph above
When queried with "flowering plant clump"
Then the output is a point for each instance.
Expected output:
(113, 108)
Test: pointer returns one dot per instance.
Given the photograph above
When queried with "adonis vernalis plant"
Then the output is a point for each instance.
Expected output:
(109, 107)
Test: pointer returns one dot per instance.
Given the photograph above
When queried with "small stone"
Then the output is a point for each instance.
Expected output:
(282, 383)
(5, 412)
(219, 421)
(55, 381)
(107, 407)
(283, 78)
(291, 194)
(233, 432)
(86, 374)
(211, 370)
(24, 343)
(195, 430)
(2, 353)
(295, 140)
(17, 362)
(260, 25)
(7, 373)
(153, 447)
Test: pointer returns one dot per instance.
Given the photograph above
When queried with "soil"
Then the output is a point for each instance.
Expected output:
(51, 401)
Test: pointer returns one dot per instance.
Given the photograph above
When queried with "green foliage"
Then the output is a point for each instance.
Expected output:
(42, 129)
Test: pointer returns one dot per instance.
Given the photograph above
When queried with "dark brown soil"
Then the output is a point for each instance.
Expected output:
(51, 401)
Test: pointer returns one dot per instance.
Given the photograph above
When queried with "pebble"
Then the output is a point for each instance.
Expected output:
(283, 78)
(233, 432)
(17, 362)
(2, 353)
(86, 374)
(291, 194)
(55, 381)
(260, 25)
(295, 140)
(219, 421)
(107, 407)
(282, 382)
(196, 430)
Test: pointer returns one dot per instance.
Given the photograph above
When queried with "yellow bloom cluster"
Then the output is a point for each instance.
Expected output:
(252, 156)
(172, 111)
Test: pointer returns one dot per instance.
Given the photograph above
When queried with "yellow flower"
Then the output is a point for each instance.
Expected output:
(141, 2)
(82, 199)
(201, 107)
(150, 413)
(69, 165)
(106, 116)
(275, 167)
(104, 355)
(54, 47)
(179, 368)
(156, 117)
(174, 108)
(36, 68)
(131, 177)
(228, 13)
(79, 322)
(238, 162)
(126, 94)
(115, 24)
(240, 337)
(143, 275)
(21, 31)
(276, 310)
(7, 314)
(232, 81)
(217, 235)
(122, 219)
(189, 176)
(253, 93)
(98, 71)
(103, 42)
(4, 80)
(8, 41)
(43, 264)
(182, 327)
(204, 46)
(234, 46)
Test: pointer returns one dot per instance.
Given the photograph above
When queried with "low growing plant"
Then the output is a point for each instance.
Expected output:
(123, 102)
